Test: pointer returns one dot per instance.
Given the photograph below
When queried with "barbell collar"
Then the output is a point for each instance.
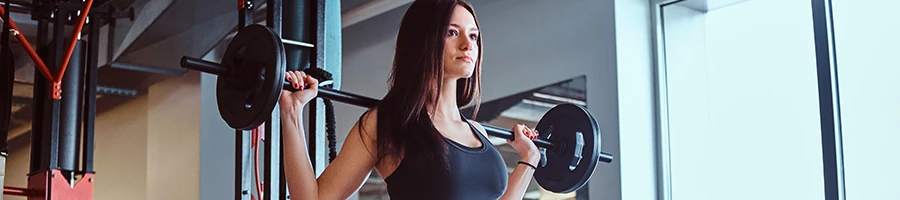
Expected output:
(605, 157)
(203, 66)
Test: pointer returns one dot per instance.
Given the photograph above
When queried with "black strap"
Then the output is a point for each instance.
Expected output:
(329, 129)
(322, 75)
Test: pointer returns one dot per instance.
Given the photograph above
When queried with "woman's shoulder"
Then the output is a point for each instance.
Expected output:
(478, 126)
(368, 122)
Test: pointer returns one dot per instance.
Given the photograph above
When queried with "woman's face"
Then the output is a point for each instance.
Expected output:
(460, 47)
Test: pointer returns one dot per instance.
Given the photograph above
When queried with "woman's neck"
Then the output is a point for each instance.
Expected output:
(446, 108)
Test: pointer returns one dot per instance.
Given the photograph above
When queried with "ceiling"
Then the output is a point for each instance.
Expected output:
(166, 29)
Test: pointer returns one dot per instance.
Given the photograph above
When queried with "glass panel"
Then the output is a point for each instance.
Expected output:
(869, 77)
(743, 102)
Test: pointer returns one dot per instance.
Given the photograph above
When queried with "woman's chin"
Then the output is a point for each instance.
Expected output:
(458, 76)
(466, 74)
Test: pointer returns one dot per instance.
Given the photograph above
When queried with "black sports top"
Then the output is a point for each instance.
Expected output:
(473, 173)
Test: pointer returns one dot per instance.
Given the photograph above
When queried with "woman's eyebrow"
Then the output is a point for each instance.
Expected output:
(460, 27)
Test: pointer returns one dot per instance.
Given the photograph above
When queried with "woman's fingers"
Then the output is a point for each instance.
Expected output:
(517, 130)
(292, 79)
(297, 78)
(531, 135)
(313, 82)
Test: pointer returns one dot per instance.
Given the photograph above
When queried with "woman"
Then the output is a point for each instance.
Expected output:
(416, 137)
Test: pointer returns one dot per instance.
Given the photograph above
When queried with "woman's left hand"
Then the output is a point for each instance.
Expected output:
(524, 144)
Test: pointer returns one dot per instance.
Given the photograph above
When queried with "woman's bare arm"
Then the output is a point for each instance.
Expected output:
(350, 168)
(342, 177)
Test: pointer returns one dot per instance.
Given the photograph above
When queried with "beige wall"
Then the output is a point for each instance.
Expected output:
(147, 148)
(120, 156)
(173, 156)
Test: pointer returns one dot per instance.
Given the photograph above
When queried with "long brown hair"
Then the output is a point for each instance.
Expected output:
(404, 124)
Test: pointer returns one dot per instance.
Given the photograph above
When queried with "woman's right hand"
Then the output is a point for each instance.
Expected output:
(524, 144)
(308, 88)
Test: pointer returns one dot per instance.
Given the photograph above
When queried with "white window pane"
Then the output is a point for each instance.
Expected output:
(866, 37)
(743, 102)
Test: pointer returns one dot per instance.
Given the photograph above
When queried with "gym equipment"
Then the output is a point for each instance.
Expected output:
(64, 100)
(251, 77)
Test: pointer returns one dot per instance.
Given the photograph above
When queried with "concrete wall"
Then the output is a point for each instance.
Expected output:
(216, 147)
(146, 148)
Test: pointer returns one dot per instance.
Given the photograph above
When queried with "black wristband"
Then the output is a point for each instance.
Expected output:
(529, 164)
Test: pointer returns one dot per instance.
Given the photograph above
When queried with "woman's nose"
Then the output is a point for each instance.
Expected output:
(466, 44)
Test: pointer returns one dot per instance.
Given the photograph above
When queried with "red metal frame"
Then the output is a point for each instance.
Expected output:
(56, 91)
(30, 50)
(16, 191)
(52, 185)
(76, 34)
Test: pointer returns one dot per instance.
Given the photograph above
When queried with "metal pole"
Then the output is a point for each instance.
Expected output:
(272, 174)
(242, 165)
(243, 152)
(90, 96)
(829, 104)
(316, 22)
(6, 94)
(44, 148)
(38, 96)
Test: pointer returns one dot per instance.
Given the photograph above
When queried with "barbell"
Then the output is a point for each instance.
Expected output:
(251, 77)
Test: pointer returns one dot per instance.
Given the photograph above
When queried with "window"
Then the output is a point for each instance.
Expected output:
(869, 84)
(742, 101)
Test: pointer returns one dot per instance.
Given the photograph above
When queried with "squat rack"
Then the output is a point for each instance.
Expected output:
(302, 28)
(64, 103)
(65, 110)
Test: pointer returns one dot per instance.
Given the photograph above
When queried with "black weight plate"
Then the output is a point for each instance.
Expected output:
(562, 123)
(256, 67)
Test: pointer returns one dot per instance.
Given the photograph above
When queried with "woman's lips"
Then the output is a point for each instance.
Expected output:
(465, 58)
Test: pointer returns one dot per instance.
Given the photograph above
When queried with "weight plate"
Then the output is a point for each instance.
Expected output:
(256, 66)
(564, 172)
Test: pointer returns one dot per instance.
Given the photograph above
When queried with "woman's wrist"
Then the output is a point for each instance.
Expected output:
(533, 166)
(531, 157)
(294, 107)
(291, 113)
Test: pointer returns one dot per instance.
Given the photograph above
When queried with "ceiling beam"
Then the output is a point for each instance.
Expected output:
(369, 10)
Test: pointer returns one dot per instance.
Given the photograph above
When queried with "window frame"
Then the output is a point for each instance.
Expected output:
(829, 104)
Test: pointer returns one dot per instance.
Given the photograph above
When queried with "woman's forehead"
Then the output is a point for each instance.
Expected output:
(462, 18)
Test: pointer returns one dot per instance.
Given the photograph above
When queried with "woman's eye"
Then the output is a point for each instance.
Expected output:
(452, 33)
(473, 36)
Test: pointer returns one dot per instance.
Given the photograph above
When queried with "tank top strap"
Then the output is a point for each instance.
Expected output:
(480, 135)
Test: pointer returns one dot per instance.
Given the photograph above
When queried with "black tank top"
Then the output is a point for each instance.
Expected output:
(469, 173)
